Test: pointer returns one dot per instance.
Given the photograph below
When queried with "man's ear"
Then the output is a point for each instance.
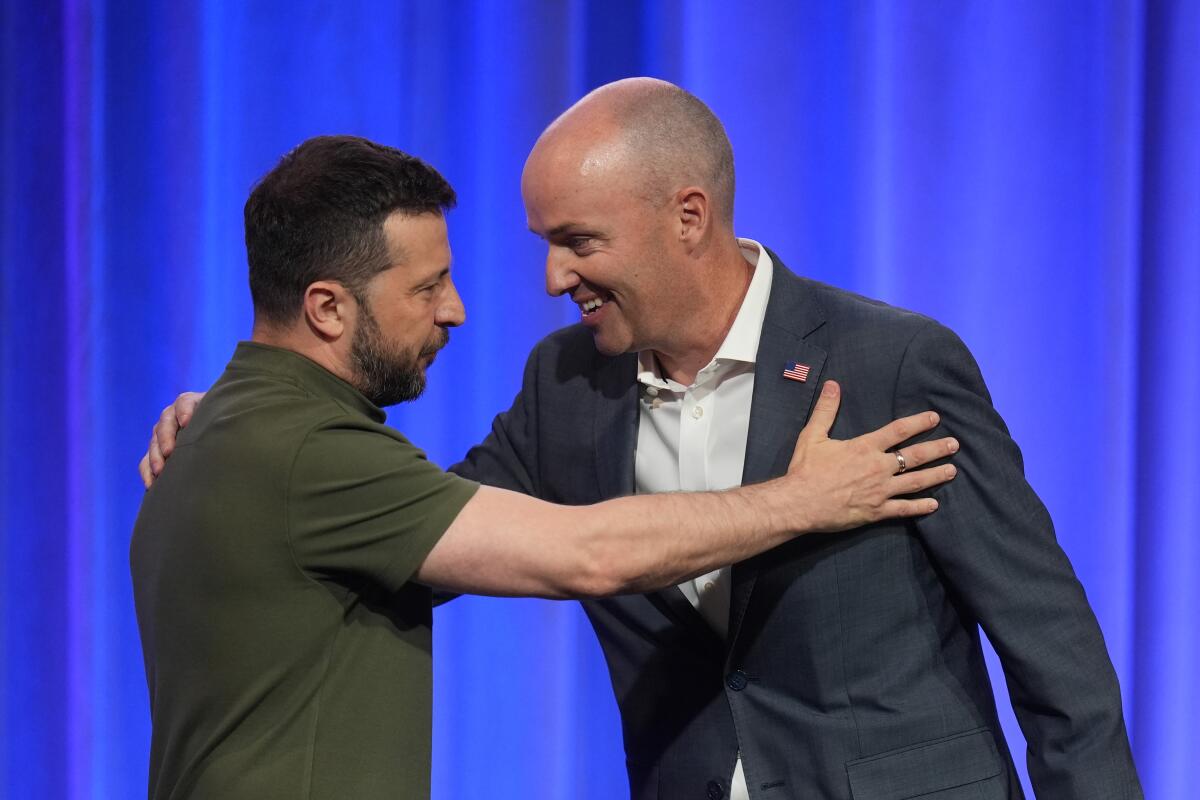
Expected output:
(328, 309)
(694, 215)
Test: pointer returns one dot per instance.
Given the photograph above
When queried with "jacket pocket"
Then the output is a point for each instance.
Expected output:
(931, 766)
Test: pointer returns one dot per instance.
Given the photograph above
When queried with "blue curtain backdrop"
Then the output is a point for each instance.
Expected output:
(1026, 172)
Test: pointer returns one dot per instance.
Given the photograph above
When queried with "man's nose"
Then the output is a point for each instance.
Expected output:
(452, 312)
(560, 277)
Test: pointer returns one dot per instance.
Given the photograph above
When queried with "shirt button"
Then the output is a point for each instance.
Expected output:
(708, 586)
(736, 680)
(697, 412)
(652, 391)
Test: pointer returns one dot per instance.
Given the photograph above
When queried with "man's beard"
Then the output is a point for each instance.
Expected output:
(385, 373)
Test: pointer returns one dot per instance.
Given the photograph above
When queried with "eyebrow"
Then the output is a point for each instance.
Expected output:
(433, 277)
(559, 230)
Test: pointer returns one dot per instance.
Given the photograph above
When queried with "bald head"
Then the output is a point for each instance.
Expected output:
(658, 135)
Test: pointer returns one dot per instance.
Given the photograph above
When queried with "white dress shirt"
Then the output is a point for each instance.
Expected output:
(693, 438)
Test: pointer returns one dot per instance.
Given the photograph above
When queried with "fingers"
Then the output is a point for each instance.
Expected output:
(825, 411)
(902, 430)
(162, 439)
(144, 471)
(185, 405)
(164, 433)
(911, 483)
(893, 509)
(155, 457)
(922, 479)
(918, 455)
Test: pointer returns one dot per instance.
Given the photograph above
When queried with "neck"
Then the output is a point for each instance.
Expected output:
(726, 278)
(299, 339)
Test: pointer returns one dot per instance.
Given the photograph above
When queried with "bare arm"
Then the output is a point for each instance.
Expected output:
(504, 543)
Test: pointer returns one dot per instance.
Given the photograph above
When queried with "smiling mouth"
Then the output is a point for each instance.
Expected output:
(591, 306)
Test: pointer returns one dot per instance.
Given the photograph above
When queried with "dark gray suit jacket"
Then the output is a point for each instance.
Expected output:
(853, 667)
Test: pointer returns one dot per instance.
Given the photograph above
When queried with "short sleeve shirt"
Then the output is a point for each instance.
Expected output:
(287, 649)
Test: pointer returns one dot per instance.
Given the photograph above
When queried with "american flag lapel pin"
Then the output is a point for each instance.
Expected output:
(796, 372)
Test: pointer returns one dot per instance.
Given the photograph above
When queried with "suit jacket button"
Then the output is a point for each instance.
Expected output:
(716, 790)
(736, 680)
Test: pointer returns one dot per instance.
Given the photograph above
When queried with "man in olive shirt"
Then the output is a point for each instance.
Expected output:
(282, 564)
(287, 653)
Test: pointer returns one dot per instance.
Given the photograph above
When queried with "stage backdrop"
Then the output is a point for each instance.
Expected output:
(1026, 172)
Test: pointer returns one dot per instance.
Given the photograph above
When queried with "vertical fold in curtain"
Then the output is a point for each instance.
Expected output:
(1166, 697)
(41, 574)
(76, 321)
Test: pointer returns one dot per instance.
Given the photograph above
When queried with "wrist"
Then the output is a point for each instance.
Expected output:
(784, 512)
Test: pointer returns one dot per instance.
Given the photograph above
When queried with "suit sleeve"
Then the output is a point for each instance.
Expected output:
(994, 543)
(507, 458)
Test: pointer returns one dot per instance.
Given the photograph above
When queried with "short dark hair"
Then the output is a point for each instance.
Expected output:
(318, 215)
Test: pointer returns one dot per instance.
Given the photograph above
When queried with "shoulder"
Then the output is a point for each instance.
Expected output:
(848, 310)
(568, 357)
(885, 340)
(866, 338)
(268, 416)
(570, 345)
(269, 403)
(865, 325)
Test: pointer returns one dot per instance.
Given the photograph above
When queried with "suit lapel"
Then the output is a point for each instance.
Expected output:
(780, 406)
(616, 430)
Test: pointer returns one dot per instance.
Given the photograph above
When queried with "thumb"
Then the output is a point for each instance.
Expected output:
(825, 412)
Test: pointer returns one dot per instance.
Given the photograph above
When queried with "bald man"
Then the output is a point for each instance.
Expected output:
(845, 667)
(830, 667)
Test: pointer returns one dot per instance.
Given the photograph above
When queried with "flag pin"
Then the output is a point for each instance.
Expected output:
(796, 372)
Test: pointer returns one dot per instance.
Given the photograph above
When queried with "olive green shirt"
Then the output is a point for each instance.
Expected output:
(288, 652)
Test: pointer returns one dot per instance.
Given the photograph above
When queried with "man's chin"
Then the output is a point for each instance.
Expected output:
(610, 330)
(395, 397)
(611, 345)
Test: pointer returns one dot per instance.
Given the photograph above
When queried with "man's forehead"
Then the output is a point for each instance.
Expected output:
(555, 213)
(409, 234)
(579, 183)
(580, 149)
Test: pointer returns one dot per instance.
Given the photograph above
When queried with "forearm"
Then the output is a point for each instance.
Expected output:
(638, 544)
(503, 543)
